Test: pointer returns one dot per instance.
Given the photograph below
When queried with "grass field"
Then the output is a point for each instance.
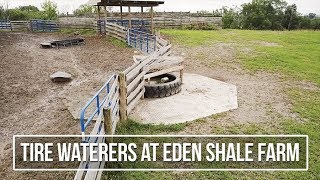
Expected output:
(295, 56)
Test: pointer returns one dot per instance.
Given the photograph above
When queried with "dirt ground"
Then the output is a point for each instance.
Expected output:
(32, 104)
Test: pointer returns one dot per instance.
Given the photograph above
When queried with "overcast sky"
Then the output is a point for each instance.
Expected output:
(304, 6)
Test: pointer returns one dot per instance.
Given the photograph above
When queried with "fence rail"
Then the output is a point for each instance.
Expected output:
(43, 25)
(5, 25)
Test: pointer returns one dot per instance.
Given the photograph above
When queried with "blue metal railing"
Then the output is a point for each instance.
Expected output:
(99, 104)
(141, 40)
(43, 25)
(5, 25)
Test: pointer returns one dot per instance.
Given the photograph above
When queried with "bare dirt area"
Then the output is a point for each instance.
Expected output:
(32, 104)
(261, 96)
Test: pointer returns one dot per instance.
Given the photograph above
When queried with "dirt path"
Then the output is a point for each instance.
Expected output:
(32, 104)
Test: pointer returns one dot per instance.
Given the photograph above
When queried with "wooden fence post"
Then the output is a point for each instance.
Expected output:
(107, 123)
(123, 97)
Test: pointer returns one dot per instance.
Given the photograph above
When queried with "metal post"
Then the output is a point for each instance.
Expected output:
(135, 39)
(98, 104)
(121, 15)
(141, 40)
(152, 20)
(147, 42)
(130, 23)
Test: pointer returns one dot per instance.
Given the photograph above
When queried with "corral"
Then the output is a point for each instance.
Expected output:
(105, 73)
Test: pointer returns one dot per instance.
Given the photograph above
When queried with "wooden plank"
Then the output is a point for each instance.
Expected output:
(97, 125)
(114, 126)
(176, 68)
(113, 89)
(139, 57)
(123, 97)
(130, 68)
(108, 120)
(116, 25)
(83, 164)
(120, 31)
(164, 49)
(94, 165)
(163, 64)
(101, 167)
(135, 101)
(135, 92)
(114, 100)
(135, 81)
(134, 73)
(135, 59)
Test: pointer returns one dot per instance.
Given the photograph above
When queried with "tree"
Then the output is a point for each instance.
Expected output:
(312, 15)
(29, 8)
(50, 10)
(315, 23)
(2, 14)
(263, 14)
(84, 10)
(231, 19)
(305, 22)
(291, 17)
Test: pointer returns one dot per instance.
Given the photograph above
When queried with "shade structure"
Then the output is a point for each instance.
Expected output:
(131, 3)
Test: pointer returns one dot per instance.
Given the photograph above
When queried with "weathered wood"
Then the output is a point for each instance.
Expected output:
(130, 22)
(107, 120)
(134, 73)
(84, 164)
(123, 97)
(135, 92)
(113, 89)
(135, 59)
(165, 49)
(151, 11)
(135, 101)
(165, 61)
(130, 68)
(97, 125)
(135, 82)
(115, 25)
(94, 165)
(114, 100)
(173, 69)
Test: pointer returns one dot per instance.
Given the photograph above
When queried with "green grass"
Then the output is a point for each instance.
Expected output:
(117, 42)
(296, 56)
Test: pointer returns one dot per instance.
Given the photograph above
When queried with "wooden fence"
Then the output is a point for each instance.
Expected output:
(119, 96)
(116, 31)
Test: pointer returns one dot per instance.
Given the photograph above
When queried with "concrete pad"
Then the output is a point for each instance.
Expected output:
(200, 97)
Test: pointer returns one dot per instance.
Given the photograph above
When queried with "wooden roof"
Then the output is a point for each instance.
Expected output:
(131, 3)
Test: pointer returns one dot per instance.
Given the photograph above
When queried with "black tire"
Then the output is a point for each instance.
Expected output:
(164, 89)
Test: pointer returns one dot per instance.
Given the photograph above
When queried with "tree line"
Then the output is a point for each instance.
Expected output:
(49, 12)
(268, 15)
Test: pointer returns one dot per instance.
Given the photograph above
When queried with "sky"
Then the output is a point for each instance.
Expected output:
(304, 6)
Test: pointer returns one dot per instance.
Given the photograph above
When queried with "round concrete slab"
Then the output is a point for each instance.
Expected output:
(200, 97)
